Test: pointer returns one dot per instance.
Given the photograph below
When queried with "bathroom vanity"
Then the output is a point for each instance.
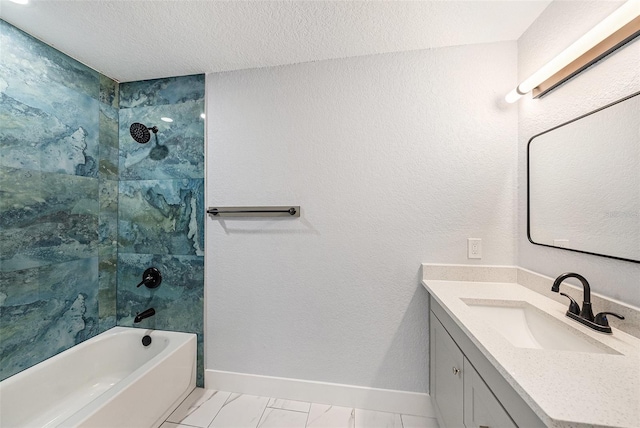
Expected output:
(504, 355)
(459, 394)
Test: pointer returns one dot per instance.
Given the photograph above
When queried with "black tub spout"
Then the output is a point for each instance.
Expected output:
(144, 314)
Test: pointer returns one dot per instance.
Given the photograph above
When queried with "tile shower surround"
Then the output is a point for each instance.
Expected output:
(161, 206)
(65, 155)
(58, 210)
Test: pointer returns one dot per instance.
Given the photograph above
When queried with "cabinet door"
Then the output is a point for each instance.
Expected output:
(446, 364)
(481, 407)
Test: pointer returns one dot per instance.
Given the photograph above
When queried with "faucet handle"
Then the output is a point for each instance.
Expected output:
(601, 318)
(574, 308)
(151, 278)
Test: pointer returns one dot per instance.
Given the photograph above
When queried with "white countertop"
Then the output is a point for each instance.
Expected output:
(564, 388)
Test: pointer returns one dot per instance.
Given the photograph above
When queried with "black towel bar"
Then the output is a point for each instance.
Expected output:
(286, 211)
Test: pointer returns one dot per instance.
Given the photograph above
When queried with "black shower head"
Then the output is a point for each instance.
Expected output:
(140, 132)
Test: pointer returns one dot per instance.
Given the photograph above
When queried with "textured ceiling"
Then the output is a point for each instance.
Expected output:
(136, 40)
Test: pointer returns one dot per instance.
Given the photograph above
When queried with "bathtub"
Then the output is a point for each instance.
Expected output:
(109, 381)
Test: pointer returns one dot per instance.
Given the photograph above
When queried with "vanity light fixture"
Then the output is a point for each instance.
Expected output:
(619, 28)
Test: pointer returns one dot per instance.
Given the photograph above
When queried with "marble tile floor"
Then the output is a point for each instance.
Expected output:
(217, 409)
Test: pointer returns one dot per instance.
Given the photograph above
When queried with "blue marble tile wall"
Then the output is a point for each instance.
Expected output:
(58, 201)
(161, 205)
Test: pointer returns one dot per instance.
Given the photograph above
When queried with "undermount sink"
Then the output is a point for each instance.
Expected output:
(526, 326)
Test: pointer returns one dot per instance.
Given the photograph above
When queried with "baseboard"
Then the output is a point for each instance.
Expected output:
(384, 400)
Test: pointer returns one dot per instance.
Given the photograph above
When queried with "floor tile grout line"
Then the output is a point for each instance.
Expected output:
(181, 403)
(188, 425)
(288, 410)
(220, 409)
(263, 410)
(190, 413)
(308, 413)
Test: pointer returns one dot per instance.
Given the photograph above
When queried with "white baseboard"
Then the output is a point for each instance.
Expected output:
(384, 400)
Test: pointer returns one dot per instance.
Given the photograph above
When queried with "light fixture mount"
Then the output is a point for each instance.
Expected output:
(616, 30)
(615, 41)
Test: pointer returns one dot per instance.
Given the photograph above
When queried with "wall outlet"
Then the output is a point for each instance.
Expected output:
(474, 248)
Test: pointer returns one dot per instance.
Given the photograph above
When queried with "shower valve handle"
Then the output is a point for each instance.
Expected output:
(151, 278)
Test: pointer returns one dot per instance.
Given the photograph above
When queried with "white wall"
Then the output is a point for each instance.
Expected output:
(395, 159)
(611, 79)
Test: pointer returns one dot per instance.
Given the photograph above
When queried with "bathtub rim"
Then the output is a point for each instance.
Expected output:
(176, 341)
(77, 418)
(78, 347)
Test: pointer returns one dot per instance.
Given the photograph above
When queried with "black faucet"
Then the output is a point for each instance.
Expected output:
(586, 312)
(584, 315)
(144, 314)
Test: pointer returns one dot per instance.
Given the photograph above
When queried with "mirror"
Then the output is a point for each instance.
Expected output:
(584, 183)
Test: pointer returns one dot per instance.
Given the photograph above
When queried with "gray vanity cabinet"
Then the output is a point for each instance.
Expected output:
(466, 391)
(481, 407)
(447, 388)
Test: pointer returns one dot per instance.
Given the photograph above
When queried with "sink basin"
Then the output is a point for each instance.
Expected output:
(526, 326)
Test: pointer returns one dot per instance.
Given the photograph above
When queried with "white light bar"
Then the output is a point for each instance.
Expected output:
(614, 22)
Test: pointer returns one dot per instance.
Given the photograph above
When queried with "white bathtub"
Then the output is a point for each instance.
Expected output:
(109, 381)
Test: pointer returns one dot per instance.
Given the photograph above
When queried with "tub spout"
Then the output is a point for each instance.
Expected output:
(144, 314)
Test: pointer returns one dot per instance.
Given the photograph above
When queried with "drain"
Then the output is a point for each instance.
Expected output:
(146, 340)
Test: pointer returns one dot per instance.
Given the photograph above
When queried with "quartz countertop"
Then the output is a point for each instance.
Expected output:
(564, 388)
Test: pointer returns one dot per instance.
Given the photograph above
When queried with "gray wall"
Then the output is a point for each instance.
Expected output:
(395, 159)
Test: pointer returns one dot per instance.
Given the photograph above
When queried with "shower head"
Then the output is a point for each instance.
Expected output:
(140, 132)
